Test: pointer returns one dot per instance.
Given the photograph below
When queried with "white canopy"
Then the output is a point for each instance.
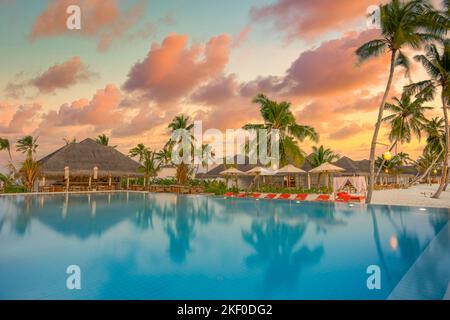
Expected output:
(358, 182)
(327, 167)
(290, 169)
(231, 172)
(260, 171)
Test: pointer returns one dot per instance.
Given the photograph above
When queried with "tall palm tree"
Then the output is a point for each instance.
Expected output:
(5, 145)
(139, 151)
(437, 66)
(278, 116)
(27, 145)
(403, 24)
(181, 122)
(320, 155)
(164, 156)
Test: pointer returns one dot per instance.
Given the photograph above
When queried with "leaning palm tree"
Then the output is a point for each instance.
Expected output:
(278, 116)
(5, 145)
(320, 156)
(437, 65)
(139, 151)
(27, 145)
(183, 123)
(435, 131)
(407, 119)
(403, 24)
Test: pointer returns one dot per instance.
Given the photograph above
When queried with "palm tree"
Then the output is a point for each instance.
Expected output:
(437, 66)
(5, 145)
(403, 24)
(29, 172)
(320, 156)
(278, 116)
(139, 151)
(181, 122)
(435, 130)
(164, 156)
(27, 145)
(149, 167)
(206, 155)
(425, 164)
(407, 119)
(102, 139)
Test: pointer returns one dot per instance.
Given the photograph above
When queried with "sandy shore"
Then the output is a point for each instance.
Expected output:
(413, 196)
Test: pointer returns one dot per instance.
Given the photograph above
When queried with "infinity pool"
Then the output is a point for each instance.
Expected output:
(163, 246)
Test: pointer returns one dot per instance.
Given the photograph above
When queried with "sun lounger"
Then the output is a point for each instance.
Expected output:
(301, 196)
(270, 196)
(256, 195)
(229, 194)
(284, 196)
(241, 195)
(322, 198)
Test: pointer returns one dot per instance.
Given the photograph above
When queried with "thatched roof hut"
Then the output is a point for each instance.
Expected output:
(82, 157)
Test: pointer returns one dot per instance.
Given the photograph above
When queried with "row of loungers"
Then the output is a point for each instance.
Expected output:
(76, 188)
(341, 197)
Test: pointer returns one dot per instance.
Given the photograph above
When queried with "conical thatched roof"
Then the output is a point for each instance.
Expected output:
(82, 157)
(327, 167)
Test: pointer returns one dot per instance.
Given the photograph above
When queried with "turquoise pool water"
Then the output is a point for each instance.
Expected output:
(163, 246)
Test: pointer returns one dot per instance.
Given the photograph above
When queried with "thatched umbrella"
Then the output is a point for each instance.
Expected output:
(327, 168)
(288, 170)
(232, 172)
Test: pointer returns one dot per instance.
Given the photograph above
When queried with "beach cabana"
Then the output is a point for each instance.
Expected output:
(85, 162)
(288, 170)
(359, 183)
(232, 172)
(328, 169)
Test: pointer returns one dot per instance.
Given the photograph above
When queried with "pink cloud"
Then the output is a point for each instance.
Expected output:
(101, 18)
(217, 91)
(172, 69)
(306, 18)
(22, 118)
(349, 130)
(242, 36)
(62, 76)
(101, 110)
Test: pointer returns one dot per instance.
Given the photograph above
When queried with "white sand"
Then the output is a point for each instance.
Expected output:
(413, 197)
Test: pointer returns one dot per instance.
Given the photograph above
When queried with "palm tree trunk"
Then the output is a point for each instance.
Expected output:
(445, 165)
(377, 128)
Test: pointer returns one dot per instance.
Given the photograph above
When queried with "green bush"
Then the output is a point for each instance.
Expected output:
(14, 189)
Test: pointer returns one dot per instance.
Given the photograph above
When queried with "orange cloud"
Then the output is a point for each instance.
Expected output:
(307, 19)
(22, 118)
(99, 18)
(171, 70)
(101, 110)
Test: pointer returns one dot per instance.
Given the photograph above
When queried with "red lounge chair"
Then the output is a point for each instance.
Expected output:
(322, 198)
(241, 195)
(343, 198)
(285, 196)
(301, 196)
(229, 194)
(270, 196)
(256, 195)
(357, 198)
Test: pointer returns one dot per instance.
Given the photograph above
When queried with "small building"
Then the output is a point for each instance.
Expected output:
(86, 161)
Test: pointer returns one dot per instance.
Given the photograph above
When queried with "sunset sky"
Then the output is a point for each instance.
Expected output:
(134, 65)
